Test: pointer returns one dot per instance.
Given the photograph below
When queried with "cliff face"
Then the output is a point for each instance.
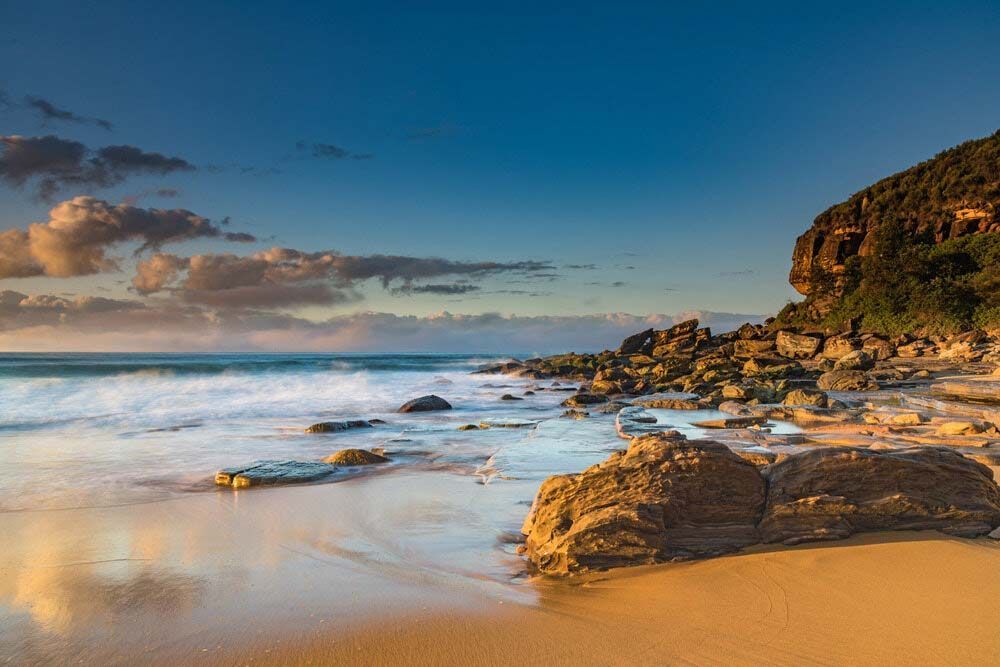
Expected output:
(955, 194)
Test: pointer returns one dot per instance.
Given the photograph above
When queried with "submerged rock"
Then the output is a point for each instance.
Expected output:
(664, 499)
(468, 427)
(731, 422)
(334, 427)
(264, 473)
(633, 421)
(355, 457)
(425, 404)
(575, 414)
(510, 397)
(831, 493)
(507, 423)
(976, 389)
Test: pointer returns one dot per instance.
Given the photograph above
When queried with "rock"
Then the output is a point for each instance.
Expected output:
(507, 423)
(878, 348)
(668, 403)
(731, 422)
(994, 534)
(529, 393)
(510, 397)
(611, 407)
(374, 422)
(504, 368)
(857, 360)
(664, 499)
(581, 400)
(758, 456)
(575, 414)
(637, 342)
(832, 493)
(846, 381)
(468, 427)
(987, 391)
(734, 408)
(355, 457)
(335, 427)
(838, 346)
(959, 428)
(806, 397)
(751, 348)
(267, 473)
(425, 404)
(797, 346)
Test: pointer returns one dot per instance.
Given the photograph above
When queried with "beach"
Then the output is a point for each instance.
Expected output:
(121, 549)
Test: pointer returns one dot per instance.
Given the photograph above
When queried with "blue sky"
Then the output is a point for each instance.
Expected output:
(690, 143)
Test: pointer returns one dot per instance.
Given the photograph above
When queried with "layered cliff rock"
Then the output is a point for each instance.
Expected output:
(955, 194)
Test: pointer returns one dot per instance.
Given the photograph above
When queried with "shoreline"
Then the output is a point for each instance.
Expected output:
(870, 599)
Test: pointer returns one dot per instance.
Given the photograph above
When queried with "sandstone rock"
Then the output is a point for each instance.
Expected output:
(858, 360)
(425, 404)
(637, 342)
(806, 397)
(267, 473)
(846, 381)
(664, 499)
(734, 408)
(752, 348)
(878, 348)
(731, 422)
(668, 403)
(581, 400)
(468, 427)
(837, 346)
(797, 346)
(334, 427)
(611, 407)
(355, 457)
(575, 414)
(959, 428)
(971, 390)
(831, 493)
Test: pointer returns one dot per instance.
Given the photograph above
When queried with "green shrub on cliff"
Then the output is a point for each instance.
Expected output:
(909, 284)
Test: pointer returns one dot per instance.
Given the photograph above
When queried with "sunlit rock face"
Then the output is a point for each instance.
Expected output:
(947, 197)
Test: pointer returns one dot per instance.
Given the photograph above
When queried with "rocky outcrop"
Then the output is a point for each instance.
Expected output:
(929, 199)
(831, 493)
(664, 499)
(667, 498)
(427, 403)
(846, 381)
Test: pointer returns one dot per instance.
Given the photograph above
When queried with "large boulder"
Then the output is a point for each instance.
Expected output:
(831, 493)
(797, 346)
(425, 404)
(846, 381)
(806, 397)
(856, 360)
(836, 347)
(665, 498)
(639, 342)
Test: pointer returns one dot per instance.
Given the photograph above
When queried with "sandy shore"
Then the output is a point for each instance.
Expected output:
(904, 598)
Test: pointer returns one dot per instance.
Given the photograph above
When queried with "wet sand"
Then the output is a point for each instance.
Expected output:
(343, 574)
(898, 598)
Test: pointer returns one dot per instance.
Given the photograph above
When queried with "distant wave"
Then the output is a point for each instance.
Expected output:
(61, 365)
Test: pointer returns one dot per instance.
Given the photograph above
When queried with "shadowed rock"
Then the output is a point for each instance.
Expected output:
(427, 403)
(264, 473)
(581, 400)
(831, 493)
(355, 457)
(664, 499)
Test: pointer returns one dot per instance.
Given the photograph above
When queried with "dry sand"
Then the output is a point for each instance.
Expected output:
(889, 599)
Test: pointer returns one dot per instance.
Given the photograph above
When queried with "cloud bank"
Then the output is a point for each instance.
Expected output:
(41, 322)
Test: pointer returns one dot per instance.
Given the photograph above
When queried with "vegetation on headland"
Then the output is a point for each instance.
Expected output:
(910, 284)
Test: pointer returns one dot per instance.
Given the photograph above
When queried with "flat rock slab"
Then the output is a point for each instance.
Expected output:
(337, 426)
(267, 473)
(731, 422)
(987, 391)
(507, 423)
